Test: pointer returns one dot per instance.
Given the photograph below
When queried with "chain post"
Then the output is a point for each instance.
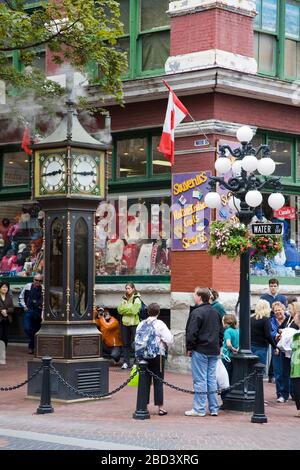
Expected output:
(45, 404)
(141, 411)
(259, 405)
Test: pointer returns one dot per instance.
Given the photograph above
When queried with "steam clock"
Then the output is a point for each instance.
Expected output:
(69, 181)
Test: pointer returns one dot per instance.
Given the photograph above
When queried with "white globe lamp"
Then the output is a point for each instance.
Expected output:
(249, 163)
(213, 200)
(222, 165)
(234, 203)
(266, 166)
(253, 198)
(244, 134)
(276, 201)
(237, 168)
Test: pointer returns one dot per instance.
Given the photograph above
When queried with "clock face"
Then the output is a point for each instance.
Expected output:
(84, 173)
(53, 172)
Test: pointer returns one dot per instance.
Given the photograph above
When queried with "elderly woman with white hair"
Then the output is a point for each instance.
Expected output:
(261, 331)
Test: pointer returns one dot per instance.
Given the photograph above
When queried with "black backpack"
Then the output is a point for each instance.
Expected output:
(143, 312)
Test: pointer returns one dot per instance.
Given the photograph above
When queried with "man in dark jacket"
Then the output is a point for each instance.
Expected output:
(204, 334)
(31, 299)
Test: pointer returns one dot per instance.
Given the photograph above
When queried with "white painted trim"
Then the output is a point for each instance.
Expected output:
(209, 59)
(185, 7)
(209, 126)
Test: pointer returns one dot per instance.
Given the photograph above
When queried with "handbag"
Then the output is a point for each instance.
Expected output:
(134, 378)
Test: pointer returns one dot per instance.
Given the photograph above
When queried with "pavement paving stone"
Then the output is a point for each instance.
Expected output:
(111, 420)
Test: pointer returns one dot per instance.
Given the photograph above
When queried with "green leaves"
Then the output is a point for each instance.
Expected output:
(75, 31)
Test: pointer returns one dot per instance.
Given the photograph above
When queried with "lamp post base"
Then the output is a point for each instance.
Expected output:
(242, 397)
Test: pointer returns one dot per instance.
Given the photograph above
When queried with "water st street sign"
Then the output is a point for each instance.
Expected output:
(266, 229)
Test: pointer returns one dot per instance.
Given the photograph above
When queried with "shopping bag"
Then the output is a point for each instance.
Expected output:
(222, 375)
(134, 378)
(2, 352)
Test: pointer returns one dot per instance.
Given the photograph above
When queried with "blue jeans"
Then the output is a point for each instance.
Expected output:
(261, 352)
(281, 366)
(31, 324)
(204, 380)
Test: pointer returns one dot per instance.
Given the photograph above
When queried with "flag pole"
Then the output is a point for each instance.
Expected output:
(188, 114)
(199, 129)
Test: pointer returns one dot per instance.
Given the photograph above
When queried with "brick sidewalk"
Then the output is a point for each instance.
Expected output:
(111, 420)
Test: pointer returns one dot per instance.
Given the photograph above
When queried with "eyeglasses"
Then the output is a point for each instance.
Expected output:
(37, 280)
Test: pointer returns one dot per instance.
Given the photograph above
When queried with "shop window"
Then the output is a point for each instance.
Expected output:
(21, 239)
(15, 169)
(283, 150)
(139, 157)
(281, 153)
(131, 156)
(159, 163)
(286, 263)
(133, 237)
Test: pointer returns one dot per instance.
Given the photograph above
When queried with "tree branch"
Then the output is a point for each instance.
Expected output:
(39, 43)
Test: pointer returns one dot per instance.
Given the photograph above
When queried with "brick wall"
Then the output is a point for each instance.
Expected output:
(198, 268)
(212, 29)
(264, 114)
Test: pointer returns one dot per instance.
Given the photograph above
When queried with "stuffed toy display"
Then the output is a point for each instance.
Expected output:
(4, 228)
(114, 253)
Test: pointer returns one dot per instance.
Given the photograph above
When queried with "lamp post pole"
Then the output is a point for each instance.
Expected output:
(245, 187)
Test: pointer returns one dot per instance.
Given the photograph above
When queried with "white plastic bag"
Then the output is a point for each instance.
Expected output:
(286, 339)
(2, 352)
(222, 375)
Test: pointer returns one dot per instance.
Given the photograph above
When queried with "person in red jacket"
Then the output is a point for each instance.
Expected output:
(111, 333)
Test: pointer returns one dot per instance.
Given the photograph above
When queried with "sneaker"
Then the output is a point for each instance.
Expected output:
(125, 366)
(214, 413)
(281, 400)
(193, 413)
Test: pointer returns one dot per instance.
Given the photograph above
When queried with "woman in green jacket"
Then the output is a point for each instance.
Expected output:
(295, 364)
(129, 310)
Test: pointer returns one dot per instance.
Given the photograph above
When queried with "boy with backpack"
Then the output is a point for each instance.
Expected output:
(151, 341)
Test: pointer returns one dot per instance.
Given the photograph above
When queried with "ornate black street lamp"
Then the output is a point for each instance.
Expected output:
(245, 187)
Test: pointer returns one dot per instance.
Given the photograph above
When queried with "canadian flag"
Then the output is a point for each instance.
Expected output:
(26, 142)
(176, 112)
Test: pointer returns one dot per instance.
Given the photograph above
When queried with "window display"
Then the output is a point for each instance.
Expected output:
(21, 239)
(133, 237)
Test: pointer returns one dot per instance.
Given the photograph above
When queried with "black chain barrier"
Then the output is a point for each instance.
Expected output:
(14, 387)
(134, 373)
(89, 395)
(192, 392)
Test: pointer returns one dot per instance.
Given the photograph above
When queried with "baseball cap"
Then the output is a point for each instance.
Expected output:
(21, 247)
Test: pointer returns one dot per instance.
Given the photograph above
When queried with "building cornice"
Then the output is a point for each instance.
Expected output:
(205, 81)
(188, 7)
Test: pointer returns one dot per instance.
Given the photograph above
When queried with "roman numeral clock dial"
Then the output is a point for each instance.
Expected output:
(85, 174)
(53, 173)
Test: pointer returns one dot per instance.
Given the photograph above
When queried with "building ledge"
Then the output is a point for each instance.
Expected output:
(205, 81)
